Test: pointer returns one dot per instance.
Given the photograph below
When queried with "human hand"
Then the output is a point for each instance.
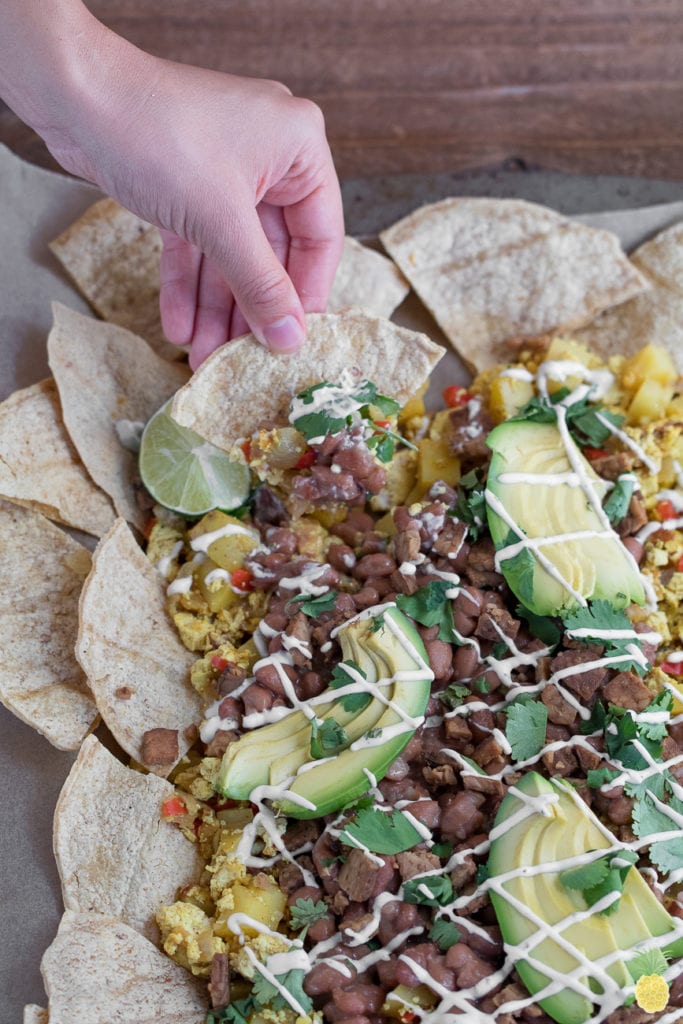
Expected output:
(238, 175)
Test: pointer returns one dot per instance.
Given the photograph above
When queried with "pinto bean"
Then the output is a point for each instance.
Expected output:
(469, 968)
(460, 814)
(282, 540)
(426, 811)
(310, 685)
(440, 655)
(322, 979)
(377, 565)
(427, 956)
(465, 662)
(358, 998)
(366, 598)
(397, 917)
(342, 557)
(269, 676)
(257, 698)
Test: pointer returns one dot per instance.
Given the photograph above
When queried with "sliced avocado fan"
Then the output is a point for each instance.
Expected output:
(554, 546)
(556, 942)
(394, 673)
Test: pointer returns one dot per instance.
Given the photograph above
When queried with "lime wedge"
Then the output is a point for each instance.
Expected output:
(187, 474)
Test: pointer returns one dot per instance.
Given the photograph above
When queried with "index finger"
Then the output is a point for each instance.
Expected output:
(316, 228)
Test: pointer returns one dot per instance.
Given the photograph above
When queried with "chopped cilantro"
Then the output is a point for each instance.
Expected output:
(315, 606)
(432, 891)
(431, 607)
(500, 650)
(305, 912)
(649, 818)
(519, 569)
(481, 685)
(453, 695)
(525, 728)
(624, 731)
(483, 873)
(238, 1012)
(600, 877)
(380, 832)
(582, 417)
(540, 626)
(442, 850)
(619, 498)
(594, 623)
(470, 505)
(597, 777)
(376, 623)
(342, 677)
(266, 994)
(444, 934)
(327, 738)
(367, 393)
(382, 443)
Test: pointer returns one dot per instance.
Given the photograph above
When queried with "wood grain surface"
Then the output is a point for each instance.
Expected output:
(589, 86)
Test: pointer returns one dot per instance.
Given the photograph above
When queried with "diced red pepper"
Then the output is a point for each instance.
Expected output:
(148, 527)
(384, 424)
(594, 453)
(455, 396)
(246, 449)
(672, 668)
(219, 663)
(241, 579)
(223, 804)
(306, 460)
(407, 1016)
(666, 510)
(679, 564)
(172, 807)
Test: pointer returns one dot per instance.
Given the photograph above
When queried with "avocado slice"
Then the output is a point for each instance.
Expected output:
(588, 561)
(560, 826)
(386, 647)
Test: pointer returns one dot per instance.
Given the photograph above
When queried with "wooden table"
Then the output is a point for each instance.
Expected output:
(589, 86)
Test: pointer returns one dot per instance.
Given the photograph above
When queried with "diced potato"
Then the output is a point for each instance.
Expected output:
(674, 410)
(235, 817)
(418, 995)
(507, 396)
(649, 402)
(260, 898)
(414, 406)
(400, 480)
(440, 425)
(435, 462)
(330, 515)
(652, 363)
(311, 537)
(227, 551)
(217, 593)
(576, 351)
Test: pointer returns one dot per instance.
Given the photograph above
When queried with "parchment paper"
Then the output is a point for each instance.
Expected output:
(36, 205)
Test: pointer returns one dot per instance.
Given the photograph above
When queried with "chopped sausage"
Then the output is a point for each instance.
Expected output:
(627, 690)
(160, 747)
(416, 862)
(219, 985)
(358, 876)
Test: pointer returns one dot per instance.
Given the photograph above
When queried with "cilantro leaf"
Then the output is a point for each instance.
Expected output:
(433, 891)
(597, 777)
(525, 728)
(470, 505)
(444, 934)
(619, 498)
(601, 877)
(267, 994)
(380, 832)
(367, 393)
(305, 912)
(649, 819)
(540, 626)
(431, 607)
(327, 738)
(383, 445)
(442, 850)
(315, 606)
(623, 731)
(453, 695)
(519, 569)
(342, 677)
(595, 622)
(238, 1012)
(582, 417)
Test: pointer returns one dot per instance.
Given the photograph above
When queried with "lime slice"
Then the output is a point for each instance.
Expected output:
(187, 474)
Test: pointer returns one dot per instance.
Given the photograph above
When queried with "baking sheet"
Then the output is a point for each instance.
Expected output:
(35, 205)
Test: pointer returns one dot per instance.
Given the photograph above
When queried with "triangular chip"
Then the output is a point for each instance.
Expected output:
(243, 386)
(100, 971)
(113, 257)
(39, 466)
(106, 374)
(43, 570)
(490, 270)
(129, 649)
(368, 280)
(115, 853)
(35, 1014)
(656, 316)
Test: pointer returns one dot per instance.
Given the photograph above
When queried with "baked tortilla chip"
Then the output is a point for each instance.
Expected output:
(656, 316)
(35, 1014)
(490, 270)
(100, 971)
(40, 680)
(243, 386)
(368, 280)
(39, 466)
(115, 854)
(129, 649)
(113, 258)
(106, 374)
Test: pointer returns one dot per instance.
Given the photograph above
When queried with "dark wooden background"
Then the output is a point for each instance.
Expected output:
(590, 86)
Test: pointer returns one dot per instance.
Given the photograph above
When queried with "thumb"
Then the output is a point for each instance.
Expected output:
(260, 284)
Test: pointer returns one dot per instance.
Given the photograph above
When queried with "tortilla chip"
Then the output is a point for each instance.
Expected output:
(368, 280)
(35, 1014)
(113, 258)
(39, 466)
(243, 386)
(99, 970)
(115, 854)
(129, 649)
(104, 374)
(656, 316)
(494, 269)
(40, 680)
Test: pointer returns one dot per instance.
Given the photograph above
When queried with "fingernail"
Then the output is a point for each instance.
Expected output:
(286, 335)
